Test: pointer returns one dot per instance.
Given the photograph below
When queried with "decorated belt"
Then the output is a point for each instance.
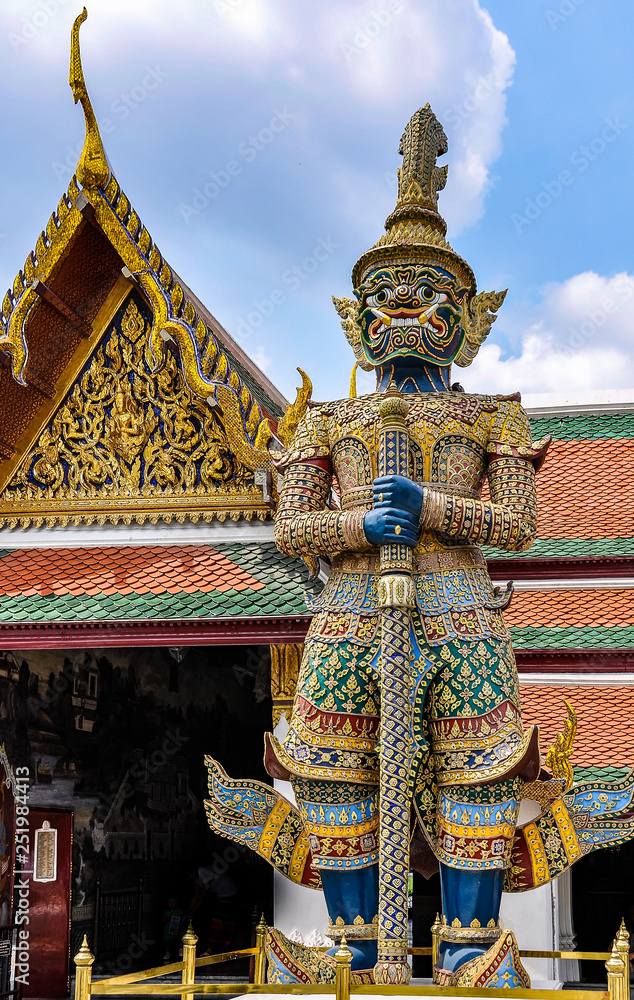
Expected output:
(460, 557)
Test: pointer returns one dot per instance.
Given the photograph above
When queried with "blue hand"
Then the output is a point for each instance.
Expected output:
(379, 527)
(397, 502)
(399, 492)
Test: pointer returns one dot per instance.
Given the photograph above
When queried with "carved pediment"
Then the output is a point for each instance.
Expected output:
(129, 444)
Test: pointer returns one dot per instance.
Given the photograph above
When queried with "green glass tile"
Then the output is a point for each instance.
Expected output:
(601, 637)
(584, 427)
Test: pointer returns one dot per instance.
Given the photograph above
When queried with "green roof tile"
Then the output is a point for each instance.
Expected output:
(600, 773)
(567, 548)
(283, 593)
(585, 427)
(574, 637)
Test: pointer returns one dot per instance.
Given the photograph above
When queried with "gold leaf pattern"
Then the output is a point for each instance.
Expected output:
(124, 431)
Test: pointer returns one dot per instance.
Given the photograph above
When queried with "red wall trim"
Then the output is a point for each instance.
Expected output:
(254, 631)
(578, 661)
(88, 635)
(559, 569)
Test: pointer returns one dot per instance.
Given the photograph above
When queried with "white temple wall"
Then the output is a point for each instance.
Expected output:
(299, 912)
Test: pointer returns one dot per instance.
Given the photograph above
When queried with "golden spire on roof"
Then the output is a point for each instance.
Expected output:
(92, 169)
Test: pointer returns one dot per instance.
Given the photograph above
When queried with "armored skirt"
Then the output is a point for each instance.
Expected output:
(469, 751)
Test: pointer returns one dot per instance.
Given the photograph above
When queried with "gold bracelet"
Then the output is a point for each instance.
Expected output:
(353, 533)
(433, 509)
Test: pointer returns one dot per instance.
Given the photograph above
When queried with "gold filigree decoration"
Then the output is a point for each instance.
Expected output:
(126, 434)
(50, 249)
(478, 316)
(348, 310)
(558, 756)
(285, 663)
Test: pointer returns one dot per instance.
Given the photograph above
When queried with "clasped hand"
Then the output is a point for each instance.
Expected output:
(397, 503)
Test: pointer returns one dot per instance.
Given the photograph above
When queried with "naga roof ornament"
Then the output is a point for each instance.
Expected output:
(93, 169)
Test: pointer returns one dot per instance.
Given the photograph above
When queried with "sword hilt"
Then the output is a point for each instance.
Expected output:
(395, 561)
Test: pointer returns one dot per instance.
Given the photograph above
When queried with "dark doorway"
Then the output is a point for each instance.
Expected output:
(426, 903)
(602, 894)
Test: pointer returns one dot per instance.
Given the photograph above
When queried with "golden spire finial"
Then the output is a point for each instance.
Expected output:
(415, 230)
(92, 169)
(419, 179)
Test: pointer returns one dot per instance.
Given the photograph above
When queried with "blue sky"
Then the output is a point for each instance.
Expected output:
(258, 141)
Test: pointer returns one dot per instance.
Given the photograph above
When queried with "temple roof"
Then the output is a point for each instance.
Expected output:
(585, 489)
(149, 583)
(94, 258)
(605, 735)
(589, 618)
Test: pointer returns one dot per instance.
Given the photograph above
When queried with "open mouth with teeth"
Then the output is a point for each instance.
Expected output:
(432, 333)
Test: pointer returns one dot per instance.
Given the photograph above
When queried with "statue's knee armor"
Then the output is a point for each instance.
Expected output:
(342, 820)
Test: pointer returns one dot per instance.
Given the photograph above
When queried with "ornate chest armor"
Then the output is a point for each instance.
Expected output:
(456, 441)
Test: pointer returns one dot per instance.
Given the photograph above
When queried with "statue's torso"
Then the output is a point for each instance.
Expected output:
(449, 434)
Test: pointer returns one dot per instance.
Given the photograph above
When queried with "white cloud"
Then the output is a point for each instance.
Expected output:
(369, 64)
(579, 336)
(449, 54)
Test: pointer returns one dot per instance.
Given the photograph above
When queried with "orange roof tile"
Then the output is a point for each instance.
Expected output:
(570, 608)
(126, 570)
(586, 490)
(605, 717)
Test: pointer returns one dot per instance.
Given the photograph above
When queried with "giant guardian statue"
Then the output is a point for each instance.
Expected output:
(406, 746)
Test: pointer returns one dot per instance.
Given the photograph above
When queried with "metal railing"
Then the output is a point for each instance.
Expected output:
(136, 983)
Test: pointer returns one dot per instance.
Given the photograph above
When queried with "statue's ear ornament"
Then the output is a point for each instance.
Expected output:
(348, 310)
(478, 316)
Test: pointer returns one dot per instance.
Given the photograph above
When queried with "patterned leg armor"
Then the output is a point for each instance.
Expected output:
(476, 735)
(342, 822)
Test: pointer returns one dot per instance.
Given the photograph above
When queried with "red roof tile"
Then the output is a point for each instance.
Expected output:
(570, 608)
(605, 717)
(126, 570)
(586, 490)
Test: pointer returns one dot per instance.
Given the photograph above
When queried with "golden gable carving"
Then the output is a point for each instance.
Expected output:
(130, 445)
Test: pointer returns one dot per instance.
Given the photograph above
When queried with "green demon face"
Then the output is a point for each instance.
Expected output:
(411, 312)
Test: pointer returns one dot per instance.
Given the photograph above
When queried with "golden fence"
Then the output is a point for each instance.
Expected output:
(136, 983)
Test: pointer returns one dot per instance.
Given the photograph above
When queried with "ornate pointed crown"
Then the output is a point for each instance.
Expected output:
(415, 230)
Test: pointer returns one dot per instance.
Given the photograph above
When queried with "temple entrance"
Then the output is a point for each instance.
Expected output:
(117, 737)
(602, 894)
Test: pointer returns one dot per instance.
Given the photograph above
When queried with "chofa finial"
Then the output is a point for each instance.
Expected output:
(92, 169)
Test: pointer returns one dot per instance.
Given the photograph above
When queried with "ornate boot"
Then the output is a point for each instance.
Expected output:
(352, 898)
(474, 950)
(352, 901)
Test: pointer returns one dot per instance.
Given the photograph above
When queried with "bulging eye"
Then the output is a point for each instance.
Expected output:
(429, 294)
(378, 298)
